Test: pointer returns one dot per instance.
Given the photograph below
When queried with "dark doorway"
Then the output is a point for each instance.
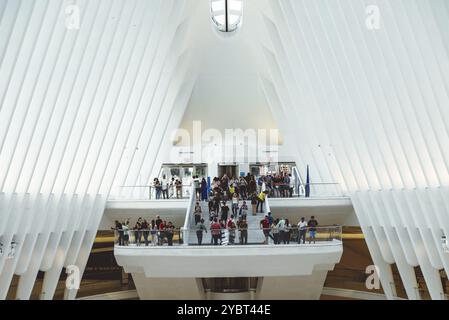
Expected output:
(229, 170)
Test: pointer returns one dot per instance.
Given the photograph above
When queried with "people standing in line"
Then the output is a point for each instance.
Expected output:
(312, 225)
(153, 233)
(200, 228)
(119, 229)
(215, 230)
(204, 190)
(165, 187)
(302, 230)
(198, 212)
(235, 204)
(145, 230)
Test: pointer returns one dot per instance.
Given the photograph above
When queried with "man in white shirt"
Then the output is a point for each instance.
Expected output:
(302, 229)
(164, 187)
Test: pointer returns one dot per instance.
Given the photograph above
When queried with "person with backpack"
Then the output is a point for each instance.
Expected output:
(312, 224)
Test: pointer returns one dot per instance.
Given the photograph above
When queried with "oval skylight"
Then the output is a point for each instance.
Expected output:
(226, 14)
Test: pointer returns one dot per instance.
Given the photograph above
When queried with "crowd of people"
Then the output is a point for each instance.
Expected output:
(278, 185)
(156, 232)
(224, 222)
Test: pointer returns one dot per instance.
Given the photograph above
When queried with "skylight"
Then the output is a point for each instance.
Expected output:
(226, 14)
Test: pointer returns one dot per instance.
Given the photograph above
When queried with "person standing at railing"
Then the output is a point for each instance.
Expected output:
(243, 228)
(145, 231)
(137, 232)
(302, 230)
(161, 232)
(125, 227)
(275, 231)
(158, 187)
(286, 187)
(215, 230)
(200, 228)
(178, 185)
(281, 228)
(165, 186)
(119, 229)
(288, 231)
(265, 226)
(312, 224)
(171, 188)
(231, 226)
(169, 232)
(153, 233)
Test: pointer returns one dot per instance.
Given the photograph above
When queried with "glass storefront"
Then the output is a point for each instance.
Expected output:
(185, 172)
(261, 169)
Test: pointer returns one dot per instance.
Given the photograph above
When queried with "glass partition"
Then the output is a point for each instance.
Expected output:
(330, 235)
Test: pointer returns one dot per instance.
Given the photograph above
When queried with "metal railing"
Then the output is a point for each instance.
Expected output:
(329, 235)
(189, 219)
(150, 193)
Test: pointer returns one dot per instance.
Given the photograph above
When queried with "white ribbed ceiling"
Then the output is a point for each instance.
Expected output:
(84, 110)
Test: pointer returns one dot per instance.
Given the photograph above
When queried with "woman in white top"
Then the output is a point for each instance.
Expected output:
(125, 229)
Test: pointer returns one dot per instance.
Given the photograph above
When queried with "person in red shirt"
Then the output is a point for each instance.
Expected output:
(215, 230)
(265, 226)
(162, 227)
